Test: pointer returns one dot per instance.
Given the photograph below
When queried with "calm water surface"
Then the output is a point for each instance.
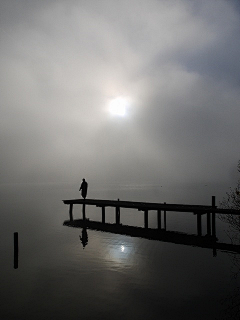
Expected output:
(114, 276)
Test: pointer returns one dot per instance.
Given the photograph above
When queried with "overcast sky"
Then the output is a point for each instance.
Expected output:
(175, 62)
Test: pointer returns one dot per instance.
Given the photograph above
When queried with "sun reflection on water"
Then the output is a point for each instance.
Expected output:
(119, 253)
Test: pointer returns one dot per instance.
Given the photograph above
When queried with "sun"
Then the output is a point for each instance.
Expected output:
(118, 106)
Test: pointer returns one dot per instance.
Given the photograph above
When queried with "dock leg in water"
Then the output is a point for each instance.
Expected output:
(103, 214)
(15, 250)
(159, 219)
(83, 211)
(146, 219)
(71, 212)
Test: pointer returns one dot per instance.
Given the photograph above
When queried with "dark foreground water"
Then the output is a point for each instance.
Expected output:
(114, 276)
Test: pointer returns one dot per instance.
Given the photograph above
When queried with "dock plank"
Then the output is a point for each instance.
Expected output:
(141, 206)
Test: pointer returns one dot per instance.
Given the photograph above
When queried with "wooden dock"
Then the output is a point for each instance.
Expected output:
(142, 206)
(199, 210)
(209, 240)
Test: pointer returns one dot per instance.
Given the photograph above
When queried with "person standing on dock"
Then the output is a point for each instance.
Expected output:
(84, 187)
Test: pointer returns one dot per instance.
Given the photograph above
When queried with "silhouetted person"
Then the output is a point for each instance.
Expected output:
(84, 187)
(84, 237)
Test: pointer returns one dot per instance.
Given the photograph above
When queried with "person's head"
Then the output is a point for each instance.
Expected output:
(83, 179)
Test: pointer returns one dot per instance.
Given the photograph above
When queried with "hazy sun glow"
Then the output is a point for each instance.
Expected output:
(118, 106)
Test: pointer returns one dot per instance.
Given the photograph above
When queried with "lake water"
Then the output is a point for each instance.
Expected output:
(114, 276)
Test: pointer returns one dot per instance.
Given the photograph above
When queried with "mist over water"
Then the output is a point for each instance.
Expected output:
(114, 276)
(141, 98)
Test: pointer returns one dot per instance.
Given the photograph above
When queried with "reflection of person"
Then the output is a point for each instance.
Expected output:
(84, 237)
(84, 187)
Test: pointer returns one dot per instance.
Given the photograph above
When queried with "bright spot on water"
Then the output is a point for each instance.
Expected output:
(122, 248)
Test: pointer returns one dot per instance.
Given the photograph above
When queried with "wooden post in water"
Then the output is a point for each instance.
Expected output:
(159, 219)
(214, 217)
(15, 250)
(165, 219)
(199, 223)
(71, 212)
(103, 214)
(117, 215)
(83, 211)
(146, 219)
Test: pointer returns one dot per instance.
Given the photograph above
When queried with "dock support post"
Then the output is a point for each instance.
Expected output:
(208, 224)
(15, 250)
(146, 219)
(117, 215)
(83, 211)
(213, 217)
(71, 211)
(199, 224)
(103, 214)
(159, 219)
(165, 219)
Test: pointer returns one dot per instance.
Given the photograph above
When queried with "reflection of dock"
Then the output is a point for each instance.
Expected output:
(155, 234)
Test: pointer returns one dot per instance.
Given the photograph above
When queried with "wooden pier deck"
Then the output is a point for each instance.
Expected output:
(142, 206)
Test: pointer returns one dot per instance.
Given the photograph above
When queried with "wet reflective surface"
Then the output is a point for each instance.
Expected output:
(111, 276)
